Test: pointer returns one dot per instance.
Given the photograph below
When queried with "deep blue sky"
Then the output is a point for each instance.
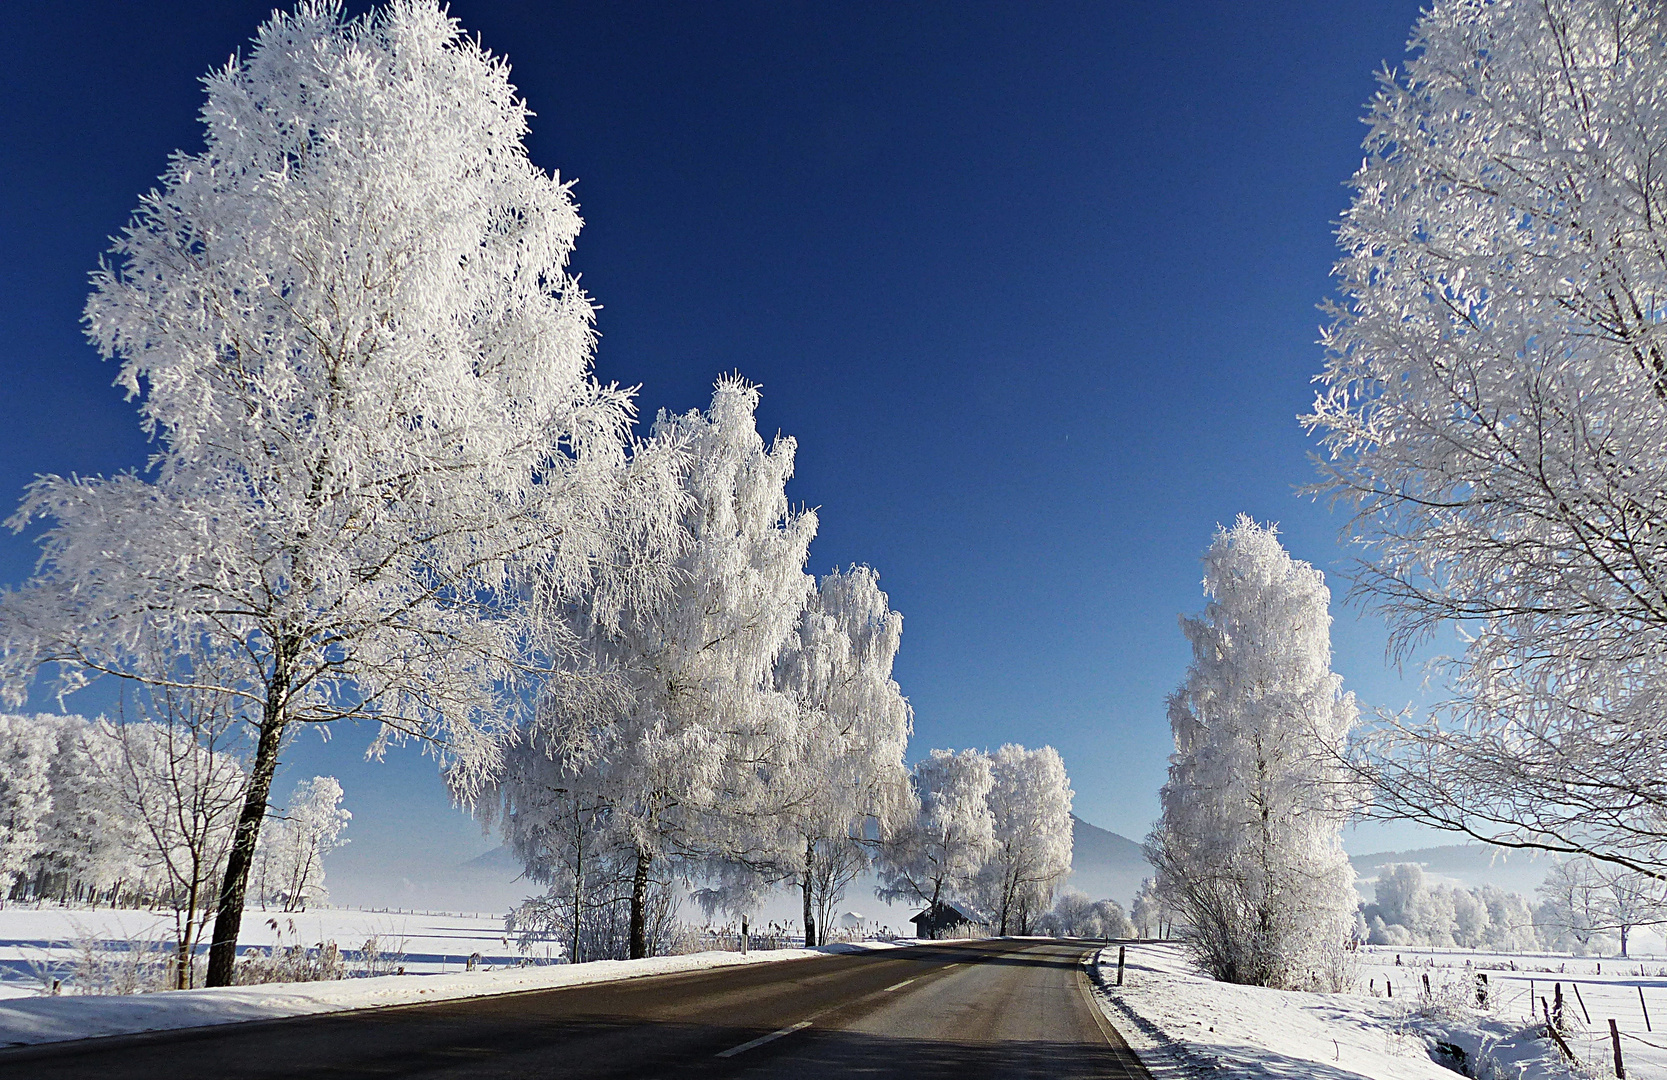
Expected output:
(1033, 284)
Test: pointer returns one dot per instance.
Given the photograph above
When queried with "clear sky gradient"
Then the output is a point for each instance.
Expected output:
(1033, 284)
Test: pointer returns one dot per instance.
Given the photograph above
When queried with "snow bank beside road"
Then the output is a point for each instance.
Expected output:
(1184, 1024)
(28, 1021)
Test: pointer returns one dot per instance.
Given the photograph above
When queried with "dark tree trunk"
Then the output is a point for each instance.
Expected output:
(228, 913)
(639, 907)
(810, 915)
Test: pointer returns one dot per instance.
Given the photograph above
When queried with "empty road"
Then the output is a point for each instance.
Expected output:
(963, 1011)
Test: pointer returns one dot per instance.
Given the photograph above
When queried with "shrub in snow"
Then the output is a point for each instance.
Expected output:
(1494, 407)
(1248, 849)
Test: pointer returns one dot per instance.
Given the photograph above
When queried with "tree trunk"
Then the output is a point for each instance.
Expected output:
(228, 913)
(639, 907)
(810, 917)
(578, 881)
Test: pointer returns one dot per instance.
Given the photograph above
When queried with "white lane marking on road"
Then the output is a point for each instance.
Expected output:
(899, 986)
(762, 1039)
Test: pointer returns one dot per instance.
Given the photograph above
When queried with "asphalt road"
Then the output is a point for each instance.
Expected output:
(1003, 1009)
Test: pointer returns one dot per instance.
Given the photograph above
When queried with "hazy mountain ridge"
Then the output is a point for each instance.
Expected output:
(1105, 864)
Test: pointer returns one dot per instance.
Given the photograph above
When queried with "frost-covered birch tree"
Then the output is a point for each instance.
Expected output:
(846, 782)
(1248, 850)
(351, 332)
(936, 857)
(1494, 411)
(690, 756)
(1030, 802)
(1587, 904)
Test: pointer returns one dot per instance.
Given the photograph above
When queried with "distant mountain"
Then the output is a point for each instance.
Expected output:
(1105, 864)
(500, 860)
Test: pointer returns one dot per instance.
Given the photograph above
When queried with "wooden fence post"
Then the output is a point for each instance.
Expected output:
(1646, 1009)
(1582, 1001)
(1615, 1037)
(1119, 965)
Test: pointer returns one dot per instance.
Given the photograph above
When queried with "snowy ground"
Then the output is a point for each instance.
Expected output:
(1185, 1025)
(27, 1016)
(1608, 988)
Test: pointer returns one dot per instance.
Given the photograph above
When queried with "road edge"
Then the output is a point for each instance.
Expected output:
(1163, 1057)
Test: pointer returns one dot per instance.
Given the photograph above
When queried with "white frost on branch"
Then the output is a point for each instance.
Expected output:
(1494, 410)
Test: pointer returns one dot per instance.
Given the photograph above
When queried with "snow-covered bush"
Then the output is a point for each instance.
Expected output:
(1248, 850)
(1075, 915)
(289, 960)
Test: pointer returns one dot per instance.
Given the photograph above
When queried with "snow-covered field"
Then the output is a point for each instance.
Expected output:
(437, 944)
(1595, 989)
(37, 943)
(1185, 1024)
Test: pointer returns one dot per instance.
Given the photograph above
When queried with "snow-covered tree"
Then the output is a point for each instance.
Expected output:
(172, 785)
(86, 845)
(1587, 904)
(1248, 849)
(936, 858)
(28, 747)
(1571, 909)
(352, 334)
(1149, 912)
(1494, 407)
(1409, 909)
(692, 754)
(847, 771)
(289, 863)
(1030, 801)
(1075, 915)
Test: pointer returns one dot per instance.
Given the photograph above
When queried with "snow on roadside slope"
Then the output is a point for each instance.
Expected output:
(27, 1021)
(1185, 1024)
